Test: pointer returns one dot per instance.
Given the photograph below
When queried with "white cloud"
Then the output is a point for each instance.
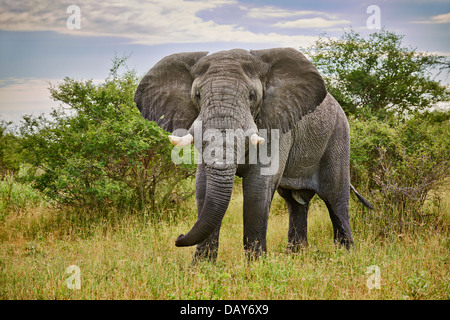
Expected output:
(441, 18)
(310, 23)
(155, 22)
(25, 96)
(275, 12)
(128, 18)
(316, 19)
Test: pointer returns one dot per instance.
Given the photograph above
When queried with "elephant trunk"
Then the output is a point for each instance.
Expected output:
(221, 112)
(219, 187)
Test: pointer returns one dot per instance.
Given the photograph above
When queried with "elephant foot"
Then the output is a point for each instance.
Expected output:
(294, 248)
(205, 255)
(345, 242)
(255, 250)
(254, 255)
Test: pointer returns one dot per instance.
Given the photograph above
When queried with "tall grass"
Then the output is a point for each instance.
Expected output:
(16, 196)
(133, 257)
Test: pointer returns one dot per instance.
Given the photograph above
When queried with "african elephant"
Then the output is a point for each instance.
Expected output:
(278, 90)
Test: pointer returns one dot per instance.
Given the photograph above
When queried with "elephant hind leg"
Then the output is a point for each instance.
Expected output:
(297, 202)
(338, 211)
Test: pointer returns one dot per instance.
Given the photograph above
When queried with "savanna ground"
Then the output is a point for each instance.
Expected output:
(130, 256)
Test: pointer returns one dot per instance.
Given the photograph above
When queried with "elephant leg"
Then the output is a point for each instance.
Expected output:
(338, 210)
(208, 248)
(297, 202)
(258, 194)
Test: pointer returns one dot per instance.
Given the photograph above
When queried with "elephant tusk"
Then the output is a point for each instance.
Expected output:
(255, 139)
(181, 141)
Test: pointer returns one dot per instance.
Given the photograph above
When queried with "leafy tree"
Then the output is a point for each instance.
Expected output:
(378, 75)
(97, 150)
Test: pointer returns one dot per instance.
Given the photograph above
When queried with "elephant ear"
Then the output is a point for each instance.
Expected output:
(164, 93)
(293, 88)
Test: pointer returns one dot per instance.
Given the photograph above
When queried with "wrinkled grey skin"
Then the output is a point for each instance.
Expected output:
(263, 89)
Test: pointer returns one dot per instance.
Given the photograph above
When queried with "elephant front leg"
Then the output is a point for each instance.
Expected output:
(258, 193)
(208, 248)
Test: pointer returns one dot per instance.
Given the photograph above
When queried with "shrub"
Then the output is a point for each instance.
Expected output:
(98, 151)
(401, 165)
(9, 149)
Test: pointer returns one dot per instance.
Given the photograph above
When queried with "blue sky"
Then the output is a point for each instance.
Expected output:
(37, 47)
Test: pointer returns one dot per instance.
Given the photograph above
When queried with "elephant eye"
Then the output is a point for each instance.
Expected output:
(252, 95)
(197, 94)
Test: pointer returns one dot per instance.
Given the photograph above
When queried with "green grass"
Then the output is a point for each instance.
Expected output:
(15, 196)
(125, 256)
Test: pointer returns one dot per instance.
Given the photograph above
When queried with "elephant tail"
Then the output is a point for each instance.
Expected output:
(361, 198)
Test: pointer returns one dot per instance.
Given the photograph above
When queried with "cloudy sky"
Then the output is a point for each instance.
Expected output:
(39, 44)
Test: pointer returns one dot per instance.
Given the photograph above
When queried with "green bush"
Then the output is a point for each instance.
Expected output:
(401, 165)
(9, 149)
(98, 151)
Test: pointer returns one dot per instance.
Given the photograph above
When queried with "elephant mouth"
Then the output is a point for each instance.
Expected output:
(222, 147)
(188, 139)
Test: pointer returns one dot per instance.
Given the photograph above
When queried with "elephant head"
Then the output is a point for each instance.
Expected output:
(236, 89)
